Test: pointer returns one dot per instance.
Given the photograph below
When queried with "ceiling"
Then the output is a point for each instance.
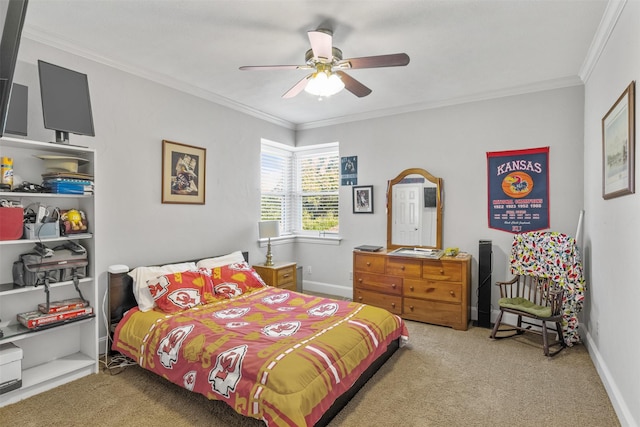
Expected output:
(460, 50)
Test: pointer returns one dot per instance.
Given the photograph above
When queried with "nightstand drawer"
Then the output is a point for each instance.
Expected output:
(280, 275)
(285, 276)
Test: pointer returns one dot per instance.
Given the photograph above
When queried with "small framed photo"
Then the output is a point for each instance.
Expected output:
(363, 199)
(618, 146)
(183, 173)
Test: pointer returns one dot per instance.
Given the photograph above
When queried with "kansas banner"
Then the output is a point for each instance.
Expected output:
(519, 189)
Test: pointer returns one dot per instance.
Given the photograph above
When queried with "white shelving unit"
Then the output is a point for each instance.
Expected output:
(59, 354)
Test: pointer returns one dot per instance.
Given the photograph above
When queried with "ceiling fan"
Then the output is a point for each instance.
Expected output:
(328, 76)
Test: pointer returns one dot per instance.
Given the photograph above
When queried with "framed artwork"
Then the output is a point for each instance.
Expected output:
(183, 173)
(363, 199)
(618, 146)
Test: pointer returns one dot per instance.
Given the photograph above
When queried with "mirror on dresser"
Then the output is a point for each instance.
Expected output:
(414, 210)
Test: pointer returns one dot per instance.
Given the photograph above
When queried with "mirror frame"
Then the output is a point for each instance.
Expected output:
(439, 205)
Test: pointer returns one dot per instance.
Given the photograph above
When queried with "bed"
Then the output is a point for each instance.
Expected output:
(286, 358)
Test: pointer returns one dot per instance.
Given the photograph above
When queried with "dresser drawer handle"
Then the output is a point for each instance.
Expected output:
(441, 271)
(411, 307)
(411, 288)
(359, 298)
(286, 275)
(453, 294)
(368, 264)
(402, 267)
(393, 304)
(360, 280)
(393, 285)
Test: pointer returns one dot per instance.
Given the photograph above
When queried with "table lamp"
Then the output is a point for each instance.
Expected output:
(267, 230)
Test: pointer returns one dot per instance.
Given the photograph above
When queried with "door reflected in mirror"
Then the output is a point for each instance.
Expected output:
(414, 211)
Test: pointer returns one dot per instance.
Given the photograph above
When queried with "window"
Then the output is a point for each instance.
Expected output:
(299, 187)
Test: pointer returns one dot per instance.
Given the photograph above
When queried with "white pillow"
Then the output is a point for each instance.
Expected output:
(221, 261)
(142, 275)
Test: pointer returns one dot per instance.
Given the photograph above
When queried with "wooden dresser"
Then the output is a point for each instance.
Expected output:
(434, 291)
(280, 275)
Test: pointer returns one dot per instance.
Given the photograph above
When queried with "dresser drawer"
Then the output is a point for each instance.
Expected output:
(378, 283)
(433, 312)
(391, 303)
(433, 290)
(404, 267)
(442, 270)
(368, 263)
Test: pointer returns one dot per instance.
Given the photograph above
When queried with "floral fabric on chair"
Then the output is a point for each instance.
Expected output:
(553, 255)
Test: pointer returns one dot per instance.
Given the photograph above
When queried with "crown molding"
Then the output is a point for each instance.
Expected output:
(483, 96)
(605, 28)
(43, 37)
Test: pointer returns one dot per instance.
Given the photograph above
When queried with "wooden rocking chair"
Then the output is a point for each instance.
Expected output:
(531, 299)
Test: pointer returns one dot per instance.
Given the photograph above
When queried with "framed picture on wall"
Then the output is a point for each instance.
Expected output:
(183, 173)
(363, 199)
(618, 146)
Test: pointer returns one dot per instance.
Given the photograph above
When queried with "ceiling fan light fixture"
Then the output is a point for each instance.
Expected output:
(324, 83)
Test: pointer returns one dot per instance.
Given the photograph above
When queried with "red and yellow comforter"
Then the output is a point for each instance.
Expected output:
(271, 354)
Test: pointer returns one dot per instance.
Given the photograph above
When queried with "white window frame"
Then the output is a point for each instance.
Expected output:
(291, 225)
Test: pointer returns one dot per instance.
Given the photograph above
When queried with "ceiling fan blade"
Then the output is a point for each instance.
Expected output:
(321, 44)
(297, 88)
(353, 86)
(393, 60)
(274, 67)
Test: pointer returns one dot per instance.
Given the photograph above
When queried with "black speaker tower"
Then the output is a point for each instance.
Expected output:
(484, 283)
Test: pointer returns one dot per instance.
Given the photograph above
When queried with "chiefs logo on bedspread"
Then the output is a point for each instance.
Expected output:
(276, 299)
(228, 289)
(170, 345)
(189, 380)
(185, 298)
(284, 329)
(324, 310)
(228, 370)
(231, 313)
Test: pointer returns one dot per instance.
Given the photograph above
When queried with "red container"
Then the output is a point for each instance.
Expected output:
(11, 223)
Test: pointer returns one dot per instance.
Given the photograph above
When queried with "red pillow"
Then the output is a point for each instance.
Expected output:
(179, 291)
(235, 279)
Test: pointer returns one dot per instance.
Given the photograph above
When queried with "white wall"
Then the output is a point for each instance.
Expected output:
(451, 143)
(612, 229)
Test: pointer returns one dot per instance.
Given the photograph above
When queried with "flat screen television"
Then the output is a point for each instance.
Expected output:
(18, 110)
(12, 16)
(66, 105)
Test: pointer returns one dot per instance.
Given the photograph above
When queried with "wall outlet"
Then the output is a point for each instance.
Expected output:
(309, 271)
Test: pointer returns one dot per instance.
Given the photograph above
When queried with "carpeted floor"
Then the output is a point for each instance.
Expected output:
(441, 378)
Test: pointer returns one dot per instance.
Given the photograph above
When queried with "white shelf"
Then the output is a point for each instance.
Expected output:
(55, 368)
(17, 195)
(9, 288)
(44, 146)
(51, 374)
(62, 353)
(79, 236)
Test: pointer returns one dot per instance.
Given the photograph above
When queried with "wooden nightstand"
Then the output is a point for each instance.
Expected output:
(280, 274)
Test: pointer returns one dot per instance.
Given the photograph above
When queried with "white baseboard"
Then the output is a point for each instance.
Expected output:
(617, 400)
(327, 288)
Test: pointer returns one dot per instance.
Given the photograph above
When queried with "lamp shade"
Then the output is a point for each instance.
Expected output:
(268, 229)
